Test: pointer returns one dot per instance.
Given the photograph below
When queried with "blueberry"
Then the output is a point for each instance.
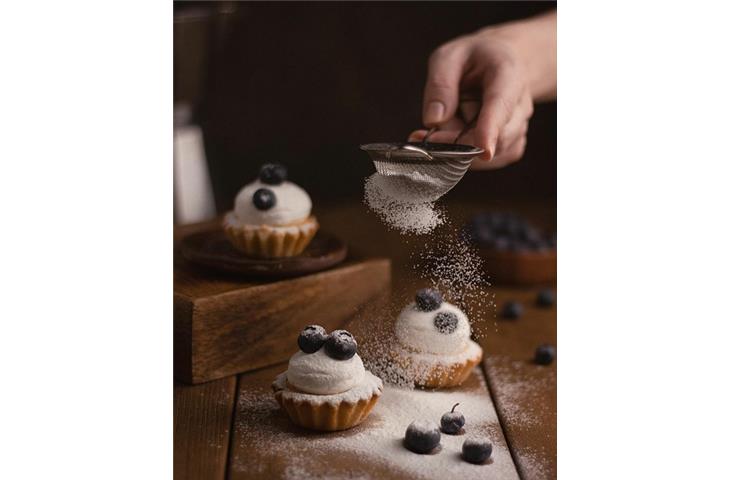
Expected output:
(452, 422)
(546, 298)
(428, 299)
(272, 173)
(518, 246)
(512, 310)
(446, 322)
(502, 244)
(312, 338)
(422, 436)
(545, 354)
(264, 199)
(552, 240)
(340, 345)
(476, 450)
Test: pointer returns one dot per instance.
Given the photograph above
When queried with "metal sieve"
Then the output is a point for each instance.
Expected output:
(442, 165)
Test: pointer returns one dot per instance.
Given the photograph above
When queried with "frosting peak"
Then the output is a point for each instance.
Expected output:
(319, 374)
(292, 204)
(419, 330)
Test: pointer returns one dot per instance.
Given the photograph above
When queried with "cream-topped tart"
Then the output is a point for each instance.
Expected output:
(326, 386)
(271, 216)
(434, 340)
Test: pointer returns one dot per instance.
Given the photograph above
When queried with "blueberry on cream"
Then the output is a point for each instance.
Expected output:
(271, 217)
(446, 322)
(434, 345)
(428, 299)
(264, 199)
(311, 338)
(340, 345)
(290, 204)
(272, 174)
(443, 330)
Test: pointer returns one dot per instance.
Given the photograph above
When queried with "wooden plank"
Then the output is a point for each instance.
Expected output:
(202, 420)
(524, 393)
(520, 389)
(224, 325)
(266, 445)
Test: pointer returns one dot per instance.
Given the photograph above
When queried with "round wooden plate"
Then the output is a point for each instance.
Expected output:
(212, 249)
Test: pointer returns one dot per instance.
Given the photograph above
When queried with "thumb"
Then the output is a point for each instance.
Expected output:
(441, 95)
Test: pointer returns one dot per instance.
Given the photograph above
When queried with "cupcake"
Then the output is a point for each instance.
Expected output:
(326, 386)
(433, 342)
(271, 217)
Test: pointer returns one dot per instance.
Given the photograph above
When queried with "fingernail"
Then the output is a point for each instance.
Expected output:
(488, 154)
(435, 112)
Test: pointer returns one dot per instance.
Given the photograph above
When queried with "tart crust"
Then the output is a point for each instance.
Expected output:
(270, 241)
(328, 412)
(433, 370)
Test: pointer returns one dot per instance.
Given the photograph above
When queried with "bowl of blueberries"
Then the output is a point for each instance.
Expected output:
(513, 249)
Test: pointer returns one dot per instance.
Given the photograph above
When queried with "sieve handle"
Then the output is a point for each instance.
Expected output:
(420, 151)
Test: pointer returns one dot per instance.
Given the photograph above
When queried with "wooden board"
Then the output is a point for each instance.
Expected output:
(524, 393)
(507, 350)
(202, 420)
(227, 325)
(212, 249)
(266, 445)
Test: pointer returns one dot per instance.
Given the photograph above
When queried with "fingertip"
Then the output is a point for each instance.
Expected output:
(416, 135)
(434, 113)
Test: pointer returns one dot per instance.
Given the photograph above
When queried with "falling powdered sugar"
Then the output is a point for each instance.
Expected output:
(405, 202)
(454, 267)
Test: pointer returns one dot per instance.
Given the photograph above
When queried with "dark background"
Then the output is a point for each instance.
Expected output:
(305, 83)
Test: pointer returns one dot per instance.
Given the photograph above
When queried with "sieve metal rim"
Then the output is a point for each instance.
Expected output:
(439, 153)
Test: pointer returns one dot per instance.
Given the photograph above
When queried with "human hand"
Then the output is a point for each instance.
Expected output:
(490, 76)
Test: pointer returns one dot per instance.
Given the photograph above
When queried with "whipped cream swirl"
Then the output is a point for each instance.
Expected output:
(319, 374)
(292, 205)
(417, 330)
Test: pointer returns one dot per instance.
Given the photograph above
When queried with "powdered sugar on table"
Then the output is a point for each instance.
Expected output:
(373, 449)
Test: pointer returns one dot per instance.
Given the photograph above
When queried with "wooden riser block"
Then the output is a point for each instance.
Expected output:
(223, 326)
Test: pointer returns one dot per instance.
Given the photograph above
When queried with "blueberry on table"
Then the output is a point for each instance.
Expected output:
(476, 450)
(512, 310)
(502, 243)
(545, 354)
(264, 199)
(312, 338)
(340, 345)
(452, 422)
(428, 299)
(272, 173)
(446, 322)
(422, 436)
(546, 297)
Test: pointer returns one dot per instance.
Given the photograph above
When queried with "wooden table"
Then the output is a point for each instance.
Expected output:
(210, 420)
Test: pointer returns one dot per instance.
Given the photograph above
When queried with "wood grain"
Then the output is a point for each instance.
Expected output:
(265, 444)
(212, 249)
(224, 325)
(524, 393)
(202, 420)
(515, 383)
